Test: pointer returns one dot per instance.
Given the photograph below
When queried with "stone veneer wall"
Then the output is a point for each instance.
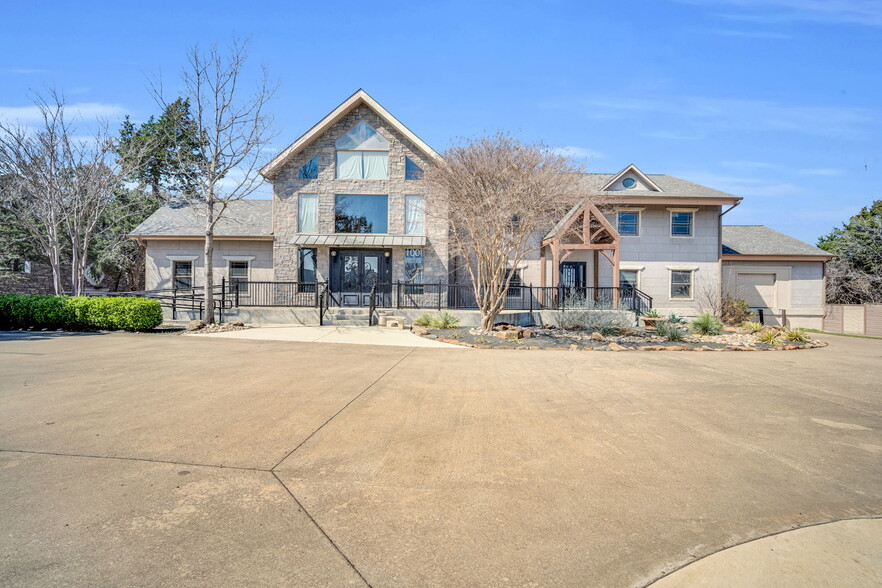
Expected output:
(287, 186)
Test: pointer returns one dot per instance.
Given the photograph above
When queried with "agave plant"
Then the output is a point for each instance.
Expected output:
(652, 313)
(675, 319)
(669, 331)
(707, 324)
(753, 327)
(796, 335)
(769, 337)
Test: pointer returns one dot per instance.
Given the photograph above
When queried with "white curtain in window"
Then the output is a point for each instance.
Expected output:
(349, 165)
(414, 216)
(376, 165)
(307, 212)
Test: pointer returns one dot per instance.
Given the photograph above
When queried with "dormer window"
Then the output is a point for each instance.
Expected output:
(362, 154)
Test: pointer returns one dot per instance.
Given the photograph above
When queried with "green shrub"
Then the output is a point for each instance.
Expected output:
(796, 335)
(424, 320)
(753, 327)
(78, 312)
(707, 324)
(444, 320)
(482, 340)
(669, 331)
(605, 330)
(769, 337)
(455, 335)
(735, 311)
(652, 313)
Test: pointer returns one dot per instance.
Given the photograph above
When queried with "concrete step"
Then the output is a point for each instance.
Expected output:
(351, 322)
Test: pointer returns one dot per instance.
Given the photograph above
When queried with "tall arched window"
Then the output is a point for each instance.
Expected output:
(362, 154)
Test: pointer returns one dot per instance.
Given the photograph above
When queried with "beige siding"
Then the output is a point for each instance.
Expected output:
(161, 253)
(798, 289)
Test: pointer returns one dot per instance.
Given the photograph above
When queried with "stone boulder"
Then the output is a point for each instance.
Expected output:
(195, 325)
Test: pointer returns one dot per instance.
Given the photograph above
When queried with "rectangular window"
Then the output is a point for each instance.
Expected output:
(413, 270)
(628, 278)
(238, 273)
(629, 223)
(514, 286)
(361, 213)
(307, 213)
(681, 224)
(362, 165)
(681, 283)
(306, 275)
(414, 216)
(183, 274)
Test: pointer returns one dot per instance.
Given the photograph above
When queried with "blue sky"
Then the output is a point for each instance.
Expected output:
(778, 101)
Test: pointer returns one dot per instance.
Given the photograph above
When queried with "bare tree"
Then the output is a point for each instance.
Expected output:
(232, 128)
(499, 196)
(59, 184)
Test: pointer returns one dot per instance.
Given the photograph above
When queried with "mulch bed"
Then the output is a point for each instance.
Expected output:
(551, 338)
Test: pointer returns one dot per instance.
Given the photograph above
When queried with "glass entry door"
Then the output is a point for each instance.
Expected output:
(354, 272)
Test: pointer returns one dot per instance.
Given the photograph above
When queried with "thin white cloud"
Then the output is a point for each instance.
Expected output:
(673, 136)
(820, 171)
(25, 71)
(574, 152)
(861, 12)
(741, 186)
(698, 115)
(29, 115)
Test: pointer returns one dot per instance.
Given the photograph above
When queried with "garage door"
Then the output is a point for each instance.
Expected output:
(757, 289)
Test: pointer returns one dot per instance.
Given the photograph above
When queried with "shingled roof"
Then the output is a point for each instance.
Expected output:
(243, 218)
(669, 186)
(761, 240)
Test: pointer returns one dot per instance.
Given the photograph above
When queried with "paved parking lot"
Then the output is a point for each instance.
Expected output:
(131, 459)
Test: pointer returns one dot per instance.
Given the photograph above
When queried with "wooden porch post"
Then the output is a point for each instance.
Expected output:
(542, 266)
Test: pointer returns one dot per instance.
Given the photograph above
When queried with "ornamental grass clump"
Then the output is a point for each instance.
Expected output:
(707, 324)
(670, 332)
(444, 320)
(753, 327)
(424, 320)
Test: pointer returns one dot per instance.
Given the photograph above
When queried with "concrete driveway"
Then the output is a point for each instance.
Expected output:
(157, 459)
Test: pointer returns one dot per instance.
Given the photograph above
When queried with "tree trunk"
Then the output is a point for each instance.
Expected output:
(209, 266)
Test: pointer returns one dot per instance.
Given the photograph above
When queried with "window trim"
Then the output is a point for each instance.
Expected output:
(174, 272)
(692, 212)
(243, 288)
(692, 270)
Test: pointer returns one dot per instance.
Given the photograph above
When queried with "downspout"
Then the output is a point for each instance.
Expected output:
(720, 245)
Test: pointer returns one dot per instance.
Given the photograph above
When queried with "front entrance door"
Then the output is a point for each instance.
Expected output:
(355, 271)
(572, 274)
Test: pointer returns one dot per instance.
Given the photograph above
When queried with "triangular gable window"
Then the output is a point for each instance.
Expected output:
(310, 170)
(362, 137)
(411, 170)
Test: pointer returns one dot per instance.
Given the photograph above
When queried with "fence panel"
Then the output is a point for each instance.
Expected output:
(873, 320)
(833, 318)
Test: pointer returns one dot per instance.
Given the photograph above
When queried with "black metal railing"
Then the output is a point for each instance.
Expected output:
(398, 295)
(372, 306)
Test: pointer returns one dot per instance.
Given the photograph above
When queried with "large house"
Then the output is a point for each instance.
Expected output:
(347, 211)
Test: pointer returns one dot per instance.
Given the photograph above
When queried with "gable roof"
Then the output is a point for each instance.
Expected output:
(632, 169)
(668, 187)
(243, 218)
(360, 97)
(761, 240)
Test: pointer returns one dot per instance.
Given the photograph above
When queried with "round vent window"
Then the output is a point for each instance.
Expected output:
(629, 182)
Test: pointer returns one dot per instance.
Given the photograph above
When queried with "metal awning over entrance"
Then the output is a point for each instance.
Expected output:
(366, 240)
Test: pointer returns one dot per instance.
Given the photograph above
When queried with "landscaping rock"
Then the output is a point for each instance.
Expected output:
(418, 330)
(526, 334)
(653, 348)
(195, 325)
(236, 324)
(595, 336)
(613, 346)
(508, 334)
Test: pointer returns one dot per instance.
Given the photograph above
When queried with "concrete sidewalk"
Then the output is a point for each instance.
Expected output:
(331, 334)
(831, 554)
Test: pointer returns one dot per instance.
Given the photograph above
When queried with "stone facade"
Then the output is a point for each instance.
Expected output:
(287, 186)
